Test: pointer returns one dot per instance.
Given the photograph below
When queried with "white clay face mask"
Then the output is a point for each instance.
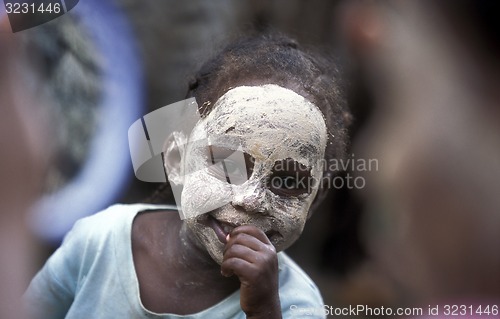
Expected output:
(261, 141)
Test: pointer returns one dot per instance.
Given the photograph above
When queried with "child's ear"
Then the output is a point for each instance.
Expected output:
(173, 154)
(321, 195)
(318, 200)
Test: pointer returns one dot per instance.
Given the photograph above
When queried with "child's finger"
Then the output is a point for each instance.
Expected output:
(243, 252)
(252, 231)
(264, 261)
(235, 266)
(245, 240)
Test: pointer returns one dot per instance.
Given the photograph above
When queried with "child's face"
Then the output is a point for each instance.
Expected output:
(269, 143)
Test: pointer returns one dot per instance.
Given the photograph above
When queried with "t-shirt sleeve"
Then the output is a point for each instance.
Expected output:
(299, 296)
(52, 290)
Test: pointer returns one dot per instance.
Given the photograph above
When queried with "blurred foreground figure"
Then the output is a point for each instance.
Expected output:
(432, 69)
(23, 157)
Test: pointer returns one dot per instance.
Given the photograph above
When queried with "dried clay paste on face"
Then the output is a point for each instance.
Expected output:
(270, 123)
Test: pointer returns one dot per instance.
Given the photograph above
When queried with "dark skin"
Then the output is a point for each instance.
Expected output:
(252, 258)
(177, 275)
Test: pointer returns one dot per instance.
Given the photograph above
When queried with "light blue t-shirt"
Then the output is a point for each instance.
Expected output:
(92, 275)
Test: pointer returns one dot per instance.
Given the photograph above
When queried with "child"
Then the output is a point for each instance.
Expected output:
(281, 108)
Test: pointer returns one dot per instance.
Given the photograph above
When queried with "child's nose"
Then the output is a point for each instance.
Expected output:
(251, 198)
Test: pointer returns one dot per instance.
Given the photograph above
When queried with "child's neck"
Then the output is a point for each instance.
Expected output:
(197, 263)
(175, 275)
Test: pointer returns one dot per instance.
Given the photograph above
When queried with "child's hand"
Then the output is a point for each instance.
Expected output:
(250, 255)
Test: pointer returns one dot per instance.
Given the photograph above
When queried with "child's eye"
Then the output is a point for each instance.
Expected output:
(228, 171)
(289, 182)
(232, 166)
(287, 185)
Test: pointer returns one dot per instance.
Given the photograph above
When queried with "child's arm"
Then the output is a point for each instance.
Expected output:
(250, 255)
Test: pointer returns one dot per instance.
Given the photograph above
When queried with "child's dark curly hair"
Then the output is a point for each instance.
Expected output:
(277, 59)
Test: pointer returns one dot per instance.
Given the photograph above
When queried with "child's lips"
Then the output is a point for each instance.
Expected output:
(222, 229)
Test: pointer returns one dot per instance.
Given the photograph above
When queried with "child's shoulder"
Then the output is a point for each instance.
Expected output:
(117, 218)
(110, 217)
(119, 212)
(288, 267)
(295, 285)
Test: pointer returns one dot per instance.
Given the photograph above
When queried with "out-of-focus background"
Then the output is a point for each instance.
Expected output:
(423, 89)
